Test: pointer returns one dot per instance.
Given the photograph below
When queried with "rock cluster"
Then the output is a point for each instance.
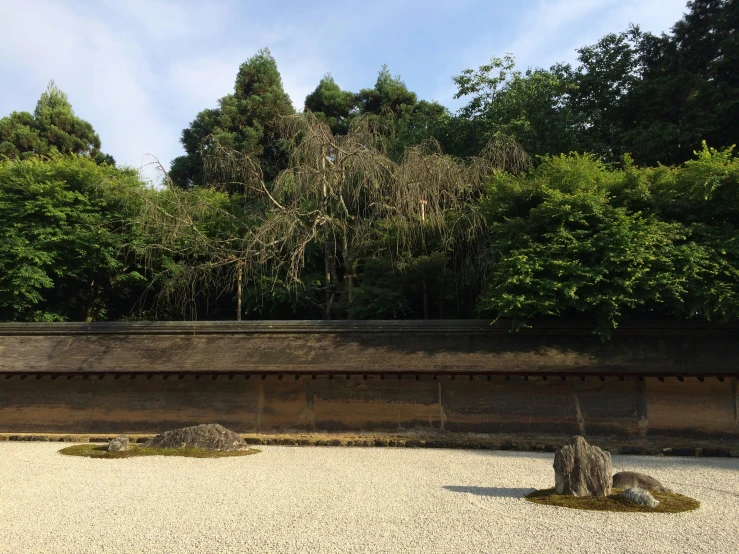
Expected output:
(118, 444)
(210, 436)
(582, 470)
(639, 497)
(634, 479)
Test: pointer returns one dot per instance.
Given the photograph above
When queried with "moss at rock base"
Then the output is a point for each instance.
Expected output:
(97, 451)
(669, 503)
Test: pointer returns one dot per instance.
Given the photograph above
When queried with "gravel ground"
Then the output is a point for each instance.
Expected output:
(323, 499)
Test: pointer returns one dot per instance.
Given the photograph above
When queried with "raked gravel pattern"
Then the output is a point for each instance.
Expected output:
(334, 499)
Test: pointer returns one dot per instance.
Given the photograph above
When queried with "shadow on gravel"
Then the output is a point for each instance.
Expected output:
(497, 492)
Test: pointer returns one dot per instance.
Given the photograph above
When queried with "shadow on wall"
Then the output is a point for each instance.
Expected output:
(496, 492)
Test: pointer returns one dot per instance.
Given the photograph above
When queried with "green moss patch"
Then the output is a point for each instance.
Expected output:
(98, 451)
(669, 503)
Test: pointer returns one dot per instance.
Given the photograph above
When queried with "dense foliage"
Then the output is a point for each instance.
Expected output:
(376, 204)
(574, 238)
(62, 233)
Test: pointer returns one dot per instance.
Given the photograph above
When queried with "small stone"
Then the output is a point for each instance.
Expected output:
(640, 497)
(634, 479)
(118, 444)
(582, 470)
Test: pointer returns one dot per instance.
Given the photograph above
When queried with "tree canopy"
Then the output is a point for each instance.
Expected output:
(245, 121)
(52, 128)
(606, 189)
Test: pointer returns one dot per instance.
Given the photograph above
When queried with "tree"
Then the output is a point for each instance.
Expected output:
(341, 200)
(689, 86)
(246, 121)
(656, 98)
(573, 238)
(402, 119)
(390, 94)
(334, 105)
(606, 77)
(52, 128)
(62, 240)
(532, 107)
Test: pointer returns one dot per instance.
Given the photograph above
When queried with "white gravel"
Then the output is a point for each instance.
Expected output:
(322, 499)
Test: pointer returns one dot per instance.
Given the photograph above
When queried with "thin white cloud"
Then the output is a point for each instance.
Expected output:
(102, 71)
(159, 19)
(199, 82)
(552, 30)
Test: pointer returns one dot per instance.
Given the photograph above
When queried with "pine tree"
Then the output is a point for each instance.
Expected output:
(52, 128)
(244, 121)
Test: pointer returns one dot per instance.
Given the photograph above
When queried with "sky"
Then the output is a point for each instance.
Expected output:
(141, 70)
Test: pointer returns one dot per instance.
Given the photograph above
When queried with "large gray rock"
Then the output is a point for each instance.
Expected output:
(118, 444)
(211, 436)
(582, 470)
(639, 497)
(634, 479)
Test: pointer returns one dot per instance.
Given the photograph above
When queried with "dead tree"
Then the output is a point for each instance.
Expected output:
(339, 193)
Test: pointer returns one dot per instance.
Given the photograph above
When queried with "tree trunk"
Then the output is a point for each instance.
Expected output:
(238, 294)
(330, 270)
(425, 298)
(349, 266)
(94, 293)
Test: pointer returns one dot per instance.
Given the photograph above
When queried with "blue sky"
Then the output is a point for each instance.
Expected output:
(140, 70)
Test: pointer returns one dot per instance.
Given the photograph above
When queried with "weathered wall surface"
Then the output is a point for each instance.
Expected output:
(368, 347)
(669, 379)
(628, 408)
